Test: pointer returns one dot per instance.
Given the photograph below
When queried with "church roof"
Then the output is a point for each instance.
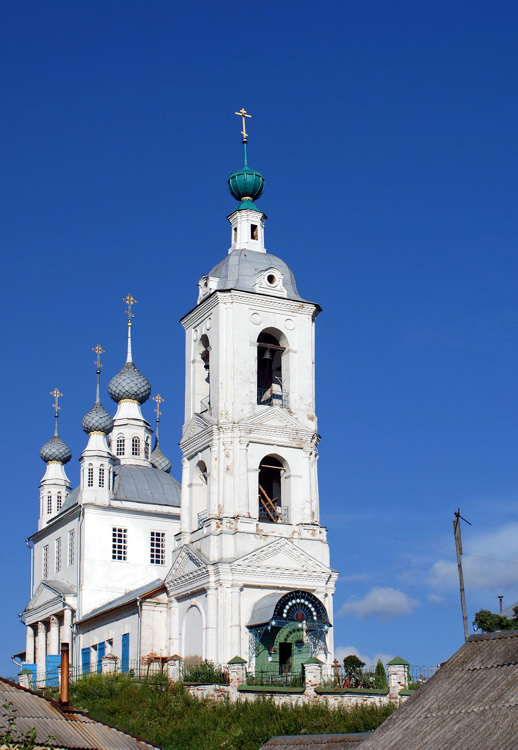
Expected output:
(146, 485)
(262, 611)
(238, 269)
(127, 598)
(71, 500)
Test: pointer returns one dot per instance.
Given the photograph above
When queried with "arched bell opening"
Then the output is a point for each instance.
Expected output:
(270, 383)
(272, 491)
(202, 375)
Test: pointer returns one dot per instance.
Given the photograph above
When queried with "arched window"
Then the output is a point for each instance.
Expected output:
(58, 501)
(135, 446)
(270, 499)
(49, 502)
(146, 449)
(120, 445)
(90, 482)
(101, 475)
(270, 391)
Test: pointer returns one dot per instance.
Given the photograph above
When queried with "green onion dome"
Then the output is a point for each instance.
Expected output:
(246, 184)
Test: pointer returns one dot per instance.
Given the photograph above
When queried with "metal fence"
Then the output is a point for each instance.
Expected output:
(365, 677)
(274, 679)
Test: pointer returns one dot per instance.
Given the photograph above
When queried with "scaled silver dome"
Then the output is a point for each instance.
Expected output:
(129, 383)
(98, 420)
(56, 450)
(158, 459)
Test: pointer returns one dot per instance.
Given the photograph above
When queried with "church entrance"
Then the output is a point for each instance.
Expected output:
(282, 651)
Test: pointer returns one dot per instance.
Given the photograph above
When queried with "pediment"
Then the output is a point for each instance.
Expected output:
(194, 426)
(187, 560)
(275, 416)
(280, 554)
(46, 593)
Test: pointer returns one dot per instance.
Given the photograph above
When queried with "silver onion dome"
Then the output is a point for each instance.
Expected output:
(129, 383)
(158, 459)
(98, 419)
(55, 449)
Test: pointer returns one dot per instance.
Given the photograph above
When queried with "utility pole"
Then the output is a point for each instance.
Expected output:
(458, 547)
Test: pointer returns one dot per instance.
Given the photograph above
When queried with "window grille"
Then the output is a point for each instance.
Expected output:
(46, 561)
(58, 555)
(119, 543)
(90, 475)
(135, 446)
(49, 503)
(101, 476)
(120, 445)
(58, 503)
(71, 546)
(157, 548)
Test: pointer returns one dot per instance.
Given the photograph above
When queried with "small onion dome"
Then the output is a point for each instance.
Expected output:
(158, 459)
(55, 449)
(129, 383)
(97, 420)
(246, 185)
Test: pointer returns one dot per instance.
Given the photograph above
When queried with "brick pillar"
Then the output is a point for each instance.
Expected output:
(109, 663)
(236, 675)
(313, 676)
(397, 676)
(173, 668)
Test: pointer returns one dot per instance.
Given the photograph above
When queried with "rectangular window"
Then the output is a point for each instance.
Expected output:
(57, 556)
(90, 476)
(58, 504)
(46, 561)
(71, 546)
(157, 548)
(101, 476)
(119, 543)
(49, 503)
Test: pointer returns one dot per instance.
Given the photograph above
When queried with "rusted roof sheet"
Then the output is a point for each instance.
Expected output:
(471, 702)
(69, 730)
(316, 742)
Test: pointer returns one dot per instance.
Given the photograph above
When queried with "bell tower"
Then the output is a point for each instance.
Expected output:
(249, 442)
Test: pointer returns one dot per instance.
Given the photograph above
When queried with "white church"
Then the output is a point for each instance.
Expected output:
(231, 560)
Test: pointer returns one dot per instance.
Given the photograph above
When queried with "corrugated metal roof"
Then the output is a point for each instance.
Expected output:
(471, 702)
(317, 741)
(142, 484)
(69, 730)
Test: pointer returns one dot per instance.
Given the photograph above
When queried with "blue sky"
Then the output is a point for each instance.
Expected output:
(387, 136)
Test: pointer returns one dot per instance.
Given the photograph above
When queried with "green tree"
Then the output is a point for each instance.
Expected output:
(380, 676)
(488, 622)
(353, 666)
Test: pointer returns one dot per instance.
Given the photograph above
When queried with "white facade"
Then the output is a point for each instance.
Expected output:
(233, 562)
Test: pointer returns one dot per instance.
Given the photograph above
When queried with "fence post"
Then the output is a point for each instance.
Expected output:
(313, 676)
(236, 675)
(397, 676)
(109, 663)
(173, 668)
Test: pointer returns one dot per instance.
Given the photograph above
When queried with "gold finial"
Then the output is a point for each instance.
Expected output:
(56, 393)
(98, 350)
(129, 300)
(159, 400)
(242, 113)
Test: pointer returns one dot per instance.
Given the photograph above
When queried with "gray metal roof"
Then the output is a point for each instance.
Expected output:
(317, 741)
(129, 383)
(130, 596)
(471, 702)
(71, 500)
(60, 587)
(237, 271)
(68, 730)
(146, 485)
(262, 611)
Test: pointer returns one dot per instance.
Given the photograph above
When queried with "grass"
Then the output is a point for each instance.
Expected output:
(173, 719)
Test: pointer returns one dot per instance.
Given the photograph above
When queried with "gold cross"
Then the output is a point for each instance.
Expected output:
(159, 400)
(56, 395)
(98, 350)
(242, 113)
(129, 300)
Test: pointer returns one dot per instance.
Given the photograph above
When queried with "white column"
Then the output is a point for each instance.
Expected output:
(67, 627)
(185, 503)
(174, 628)
(242, 500)
(54, 635)
(41, 651)
(210, 626)
(29, 645)
(235, 621)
